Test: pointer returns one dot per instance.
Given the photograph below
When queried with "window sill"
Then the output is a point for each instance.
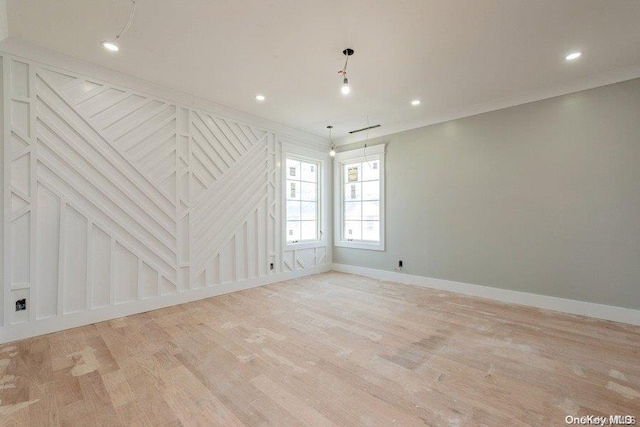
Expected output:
(360, 245)
(305, 245)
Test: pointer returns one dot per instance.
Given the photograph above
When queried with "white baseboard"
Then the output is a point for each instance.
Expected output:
(599, 311)
(54, 324)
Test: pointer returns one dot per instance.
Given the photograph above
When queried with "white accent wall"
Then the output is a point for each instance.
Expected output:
(117, 201)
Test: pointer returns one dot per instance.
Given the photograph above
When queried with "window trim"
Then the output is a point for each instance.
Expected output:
(310, 156)
(342, 158)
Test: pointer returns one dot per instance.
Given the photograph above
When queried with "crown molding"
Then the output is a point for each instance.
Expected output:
(50, 58)
(591, 82)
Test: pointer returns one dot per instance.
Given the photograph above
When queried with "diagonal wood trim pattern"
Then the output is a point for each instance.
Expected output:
(116, 196)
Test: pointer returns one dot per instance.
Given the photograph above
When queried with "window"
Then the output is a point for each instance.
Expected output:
(302, 201)
(359, 190)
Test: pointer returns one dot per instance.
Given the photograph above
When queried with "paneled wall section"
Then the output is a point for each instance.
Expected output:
(113, 196)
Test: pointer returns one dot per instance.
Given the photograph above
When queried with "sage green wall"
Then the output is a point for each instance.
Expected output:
(541, 198)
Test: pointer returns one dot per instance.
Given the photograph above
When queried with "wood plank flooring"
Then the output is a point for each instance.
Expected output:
(326, 350)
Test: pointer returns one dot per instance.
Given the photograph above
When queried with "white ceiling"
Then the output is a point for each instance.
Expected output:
(454, 55)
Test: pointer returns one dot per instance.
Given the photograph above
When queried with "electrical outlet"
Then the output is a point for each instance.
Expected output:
(21, 304)
(400, 263)
(271, 266)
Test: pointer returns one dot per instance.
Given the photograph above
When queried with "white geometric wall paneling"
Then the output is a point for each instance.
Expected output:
(103, 234)
(181, 173)
(297, 259)
(4, 101)
(114, 196)
(19, 193)
(275, 226)
(231, 164)
(88, 164)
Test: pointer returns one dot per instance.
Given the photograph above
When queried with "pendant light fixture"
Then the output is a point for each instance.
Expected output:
(113, 45)
(346, 89)
(332, 153)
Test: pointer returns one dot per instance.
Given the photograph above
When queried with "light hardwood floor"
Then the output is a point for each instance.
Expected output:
(327, 350)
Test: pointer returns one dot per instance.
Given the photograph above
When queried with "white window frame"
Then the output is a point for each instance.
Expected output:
(321, 159)
(375, 152)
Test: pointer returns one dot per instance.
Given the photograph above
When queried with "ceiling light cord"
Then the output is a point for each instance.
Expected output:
(332, 153)
(129, 22)
(345, 81)
(366, 141)
(343, 72)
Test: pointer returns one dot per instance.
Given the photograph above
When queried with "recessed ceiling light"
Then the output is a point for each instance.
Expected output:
(260, 98)
(573, 55)
(415, 102)
(110, 46)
